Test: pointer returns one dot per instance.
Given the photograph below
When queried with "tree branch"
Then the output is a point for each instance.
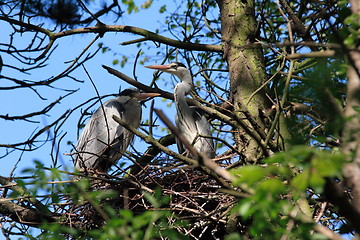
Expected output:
(25, 215)
(101, 29)
(152, 141)
(137, 84)
(334, 192)
(151, 152)
(350, 145)
(24, 193)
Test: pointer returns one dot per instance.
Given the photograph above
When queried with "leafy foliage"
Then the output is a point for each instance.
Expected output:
(277, 205)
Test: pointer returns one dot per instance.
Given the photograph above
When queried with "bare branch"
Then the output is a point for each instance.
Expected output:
(101, 29)
(24, 215)
(41, 112)
(137, 84)
(151, 140)
(151, 153)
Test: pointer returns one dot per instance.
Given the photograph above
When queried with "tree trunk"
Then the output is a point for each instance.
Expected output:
(246, 68)
(351, 131)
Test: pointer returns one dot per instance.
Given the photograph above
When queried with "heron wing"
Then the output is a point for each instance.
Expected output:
(180, 146)
(100, 135)
(191, 128)
(203, 144)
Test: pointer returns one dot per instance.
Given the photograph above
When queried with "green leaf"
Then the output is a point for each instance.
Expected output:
(328, 164)
(233, 236)
(244, 207)
(250, 175)
(106, 194)
(126, 214)
(123, 61)
(162, 9)
(301, 181)
(131, 7)
(115, 62)
(147, 4)
(104, 49)
(294, 156)
(316, 181)
(272, 185)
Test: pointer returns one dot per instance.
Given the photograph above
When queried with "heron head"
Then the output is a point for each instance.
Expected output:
(137, 94)
(176, 68)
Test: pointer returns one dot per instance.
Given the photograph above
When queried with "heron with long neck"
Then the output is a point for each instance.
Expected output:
(190, 120)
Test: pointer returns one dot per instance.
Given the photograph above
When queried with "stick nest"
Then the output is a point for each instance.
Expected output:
(194, 197)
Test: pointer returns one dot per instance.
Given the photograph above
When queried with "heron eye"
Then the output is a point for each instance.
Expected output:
(174, 67)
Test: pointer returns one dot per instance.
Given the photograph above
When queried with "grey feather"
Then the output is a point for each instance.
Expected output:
(103, 140)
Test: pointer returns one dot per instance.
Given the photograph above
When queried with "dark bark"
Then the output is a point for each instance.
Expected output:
(351, 131)
(246, 68)
(25, 215)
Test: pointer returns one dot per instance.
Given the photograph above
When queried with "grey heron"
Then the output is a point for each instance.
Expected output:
(103, 140)
(190, 120)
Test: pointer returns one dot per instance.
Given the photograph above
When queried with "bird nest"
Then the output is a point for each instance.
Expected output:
(193, 196)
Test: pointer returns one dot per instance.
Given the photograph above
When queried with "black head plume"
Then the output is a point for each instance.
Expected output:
(129, 92)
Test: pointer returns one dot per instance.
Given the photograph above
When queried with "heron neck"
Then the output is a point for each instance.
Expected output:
(181, 90)
(186, 78)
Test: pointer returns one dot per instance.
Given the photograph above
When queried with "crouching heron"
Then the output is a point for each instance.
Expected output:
(103, 140)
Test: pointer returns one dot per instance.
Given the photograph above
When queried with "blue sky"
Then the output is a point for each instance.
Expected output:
(23, 101)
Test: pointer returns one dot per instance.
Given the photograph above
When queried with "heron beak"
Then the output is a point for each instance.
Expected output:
(159, 67)
(143, 96)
